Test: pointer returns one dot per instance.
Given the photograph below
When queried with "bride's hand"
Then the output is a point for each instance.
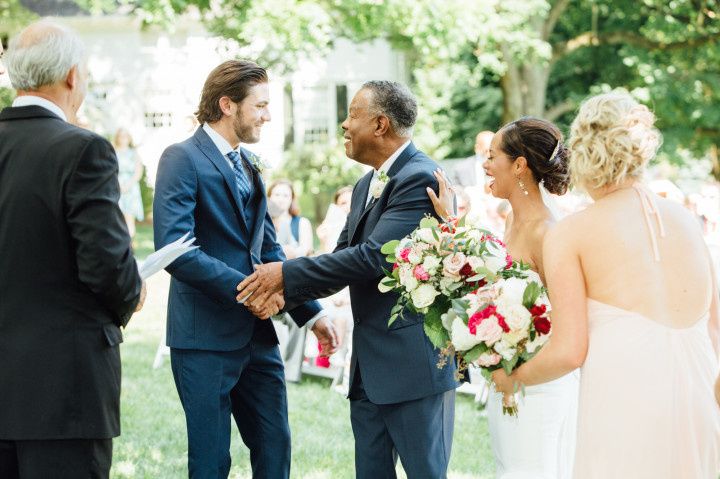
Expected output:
(503, 383)
(443, 205)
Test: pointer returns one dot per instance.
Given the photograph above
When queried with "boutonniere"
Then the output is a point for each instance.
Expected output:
(257, 162)
(379, 184)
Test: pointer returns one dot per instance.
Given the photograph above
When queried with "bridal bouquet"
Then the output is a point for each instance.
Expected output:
(499, 325)
(478, 304)
(437, 263)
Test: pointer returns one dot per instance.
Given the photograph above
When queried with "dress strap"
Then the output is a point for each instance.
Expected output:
(650, 209)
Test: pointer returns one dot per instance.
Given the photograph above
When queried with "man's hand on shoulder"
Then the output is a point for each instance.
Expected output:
(143, 295)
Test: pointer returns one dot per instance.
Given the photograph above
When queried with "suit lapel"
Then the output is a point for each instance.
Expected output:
(208, 148)
(358, 207)
(259, 195)
(401, 161)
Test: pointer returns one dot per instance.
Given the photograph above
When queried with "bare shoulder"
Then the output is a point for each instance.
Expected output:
(568, 230)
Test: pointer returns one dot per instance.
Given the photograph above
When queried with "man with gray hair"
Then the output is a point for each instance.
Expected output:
(401, 403)
(69, 280)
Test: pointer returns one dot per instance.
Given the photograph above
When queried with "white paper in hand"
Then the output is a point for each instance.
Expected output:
(161, 258)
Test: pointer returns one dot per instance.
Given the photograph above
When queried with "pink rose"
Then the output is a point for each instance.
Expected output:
(489, 331)
(453, 263)
(420, 273)
(404, 254)
(489, 359)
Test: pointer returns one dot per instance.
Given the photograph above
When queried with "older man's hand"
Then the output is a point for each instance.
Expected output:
(257, 289)
(326, 335)
(270, 307)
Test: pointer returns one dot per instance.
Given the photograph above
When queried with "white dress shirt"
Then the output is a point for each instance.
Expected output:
(27, 100)
(385, 167)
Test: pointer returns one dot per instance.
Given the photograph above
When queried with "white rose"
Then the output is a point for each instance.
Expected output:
(512, 290)
(475, 262)
(448, 319)
(473, 234)
(431, 264)
(517, 317)
(507, 351)
(407, 278)
(532, 276)
(495, 263)
(460, 336)
(426, 235)
(515, 336)
(537, 343)
(423, 296)
(414, 258)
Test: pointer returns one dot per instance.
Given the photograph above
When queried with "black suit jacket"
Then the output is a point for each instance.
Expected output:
(68, 279)
(397, 363)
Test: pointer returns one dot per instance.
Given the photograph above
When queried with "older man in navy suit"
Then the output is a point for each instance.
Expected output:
(400, 401)
(225, 359)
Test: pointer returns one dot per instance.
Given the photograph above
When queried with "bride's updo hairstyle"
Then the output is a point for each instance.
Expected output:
(612, 139)
(541, 144)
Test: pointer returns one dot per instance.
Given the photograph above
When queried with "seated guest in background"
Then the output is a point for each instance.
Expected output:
(294, 234)
(329, 230)
(69, 280)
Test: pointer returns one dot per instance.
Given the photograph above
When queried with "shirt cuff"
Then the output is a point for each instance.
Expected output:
(311, 324)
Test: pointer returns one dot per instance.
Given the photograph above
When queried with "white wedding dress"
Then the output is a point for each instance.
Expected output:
(539, 443)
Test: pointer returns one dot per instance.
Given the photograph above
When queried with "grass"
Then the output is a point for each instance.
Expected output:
(153, 443)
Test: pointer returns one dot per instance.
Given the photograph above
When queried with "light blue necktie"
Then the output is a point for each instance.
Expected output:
(241, 180)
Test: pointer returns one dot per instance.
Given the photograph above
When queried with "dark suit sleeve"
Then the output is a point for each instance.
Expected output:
(271, 252)
(307, 278)
(102, 245)
(176, 190)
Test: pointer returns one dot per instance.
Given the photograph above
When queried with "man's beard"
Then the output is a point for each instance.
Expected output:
(243, 131)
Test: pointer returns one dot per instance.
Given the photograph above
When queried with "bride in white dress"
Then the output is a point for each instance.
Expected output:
(527, 160)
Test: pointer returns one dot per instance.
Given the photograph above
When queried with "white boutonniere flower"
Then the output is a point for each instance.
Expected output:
(378, 185)
(257, 162)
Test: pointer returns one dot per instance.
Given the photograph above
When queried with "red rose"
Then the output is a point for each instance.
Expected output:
(542, 325)
(466, 270)
(508, 261)
(538, 310)
(475, 321)
(502, 323)
(395, 266)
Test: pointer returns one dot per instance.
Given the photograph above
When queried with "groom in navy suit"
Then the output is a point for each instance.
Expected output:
(225, 359)
(400, 401)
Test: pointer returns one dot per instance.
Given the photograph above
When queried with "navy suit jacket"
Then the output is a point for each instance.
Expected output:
(397, 363)
(196, 191)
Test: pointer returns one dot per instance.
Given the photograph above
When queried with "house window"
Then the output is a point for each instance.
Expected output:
(158, 119)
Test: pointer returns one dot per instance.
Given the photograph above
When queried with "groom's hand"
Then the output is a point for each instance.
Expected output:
(271, 307)
(326, 335)
(258, 288)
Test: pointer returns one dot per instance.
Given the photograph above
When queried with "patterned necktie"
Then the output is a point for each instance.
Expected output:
(241, 180)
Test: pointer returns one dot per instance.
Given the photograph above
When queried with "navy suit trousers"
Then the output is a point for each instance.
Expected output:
(250, 384)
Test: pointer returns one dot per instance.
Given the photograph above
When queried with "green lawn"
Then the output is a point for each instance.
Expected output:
(153, 443)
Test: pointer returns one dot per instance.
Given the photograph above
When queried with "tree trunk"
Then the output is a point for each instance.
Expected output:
(524, 90)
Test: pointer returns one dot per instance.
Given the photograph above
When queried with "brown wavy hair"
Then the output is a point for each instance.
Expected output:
(232, 79)
(294, 206)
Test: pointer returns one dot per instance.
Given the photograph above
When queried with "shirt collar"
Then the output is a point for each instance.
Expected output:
(28, 100)
(220, 142)
(389, 162)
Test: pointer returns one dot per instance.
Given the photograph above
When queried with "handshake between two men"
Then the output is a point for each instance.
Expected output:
(262, 293)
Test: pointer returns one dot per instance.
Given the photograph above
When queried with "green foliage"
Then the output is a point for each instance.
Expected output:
(317, 172)
(147, 192)
(13, 16)
(7, 95)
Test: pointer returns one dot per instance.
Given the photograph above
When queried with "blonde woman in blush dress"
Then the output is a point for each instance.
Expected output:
(527, 160)
(635, 303)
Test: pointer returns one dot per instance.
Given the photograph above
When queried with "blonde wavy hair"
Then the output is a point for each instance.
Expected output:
(612, 139)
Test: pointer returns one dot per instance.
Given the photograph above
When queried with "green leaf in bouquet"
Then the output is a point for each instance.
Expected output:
(391, 258)
(473, 354)
(508, 366)
(434, 329)
(392, 319)
(461, 221)
(389, 247)
(460, 308)
(429, 222)
(435, 234)
(532, 293)
(461, 235)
